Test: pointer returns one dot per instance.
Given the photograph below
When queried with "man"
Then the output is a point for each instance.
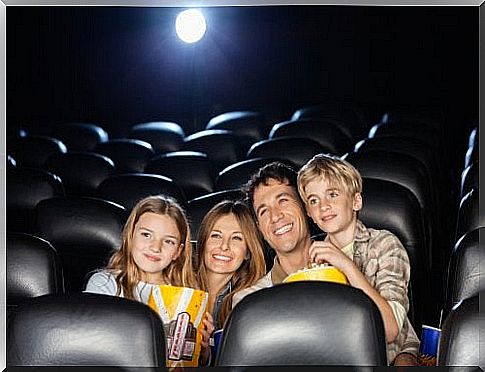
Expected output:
(272, 194)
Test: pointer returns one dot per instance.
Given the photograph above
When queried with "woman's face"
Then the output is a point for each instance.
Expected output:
(226, 248)
(156, 243)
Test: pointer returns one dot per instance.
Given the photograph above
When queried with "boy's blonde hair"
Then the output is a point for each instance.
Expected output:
(336, 171)
(122, 265)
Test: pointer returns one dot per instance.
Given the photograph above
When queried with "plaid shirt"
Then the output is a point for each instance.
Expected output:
(382, 259)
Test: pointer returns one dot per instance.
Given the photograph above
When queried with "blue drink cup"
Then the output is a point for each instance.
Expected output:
(428, 349)
(217, 336)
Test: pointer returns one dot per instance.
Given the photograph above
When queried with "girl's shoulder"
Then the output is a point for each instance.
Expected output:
(102, 282)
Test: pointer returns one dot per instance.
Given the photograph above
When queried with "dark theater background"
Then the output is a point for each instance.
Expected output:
(117, 66)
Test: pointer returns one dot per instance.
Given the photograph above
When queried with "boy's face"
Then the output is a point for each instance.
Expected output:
(281, 217)
(331, 207)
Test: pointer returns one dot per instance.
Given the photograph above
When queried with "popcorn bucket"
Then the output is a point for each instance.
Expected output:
(181, 310)
(322, 272)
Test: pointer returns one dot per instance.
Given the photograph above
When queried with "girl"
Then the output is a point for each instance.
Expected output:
(230, 255)
(155, 250)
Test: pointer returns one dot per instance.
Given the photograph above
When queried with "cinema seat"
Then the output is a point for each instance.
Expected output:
(85, 329)
(469, 179)
(80, 136)
(304, 323)
(33, 150)
(164, 136)
(469, 214)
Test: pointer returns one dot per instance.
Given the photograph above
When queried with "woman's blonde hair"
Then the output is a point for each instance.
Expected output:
(252, 269)
(334, 170)
(122, 265)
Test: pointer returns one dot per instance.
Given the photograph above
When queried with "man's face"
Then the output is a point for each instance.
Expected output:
(281, 217)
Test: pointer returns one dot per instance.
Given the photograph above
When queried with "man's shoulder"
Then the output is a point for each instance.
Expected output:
(264, 282)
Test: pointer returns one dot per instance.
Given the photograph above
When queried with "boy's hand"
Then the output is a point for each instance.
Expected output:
(324, 251)
(206, 333)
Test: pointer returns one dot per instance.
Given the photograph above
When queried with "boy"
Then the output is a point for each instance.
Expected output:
(373, 260)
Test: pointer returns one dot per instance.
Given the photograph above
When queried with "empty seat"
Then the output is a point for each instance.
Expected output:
(80, 136)
(325, 132)
(237, 174)
(127, 189)
(473, 137)
(221, 146)
(128, 155)
(469, 214)
(248, 126)
(471, 156)
(350, 119)
(33, 151)
(192, 171)
(85, 329)
(392, 207)
(462, 335)
(33, 269)
(25, 188)
(11, 162)
(164, 136)
(85, 232)
(466, 270)
(304, 323)
(81, 172)
(197, 208)
(296, 150)
(469, 179)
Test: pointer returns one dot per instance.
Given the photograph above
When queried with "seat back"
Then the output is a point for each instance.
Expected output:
(297, 150)
(164, 136)
(85, 329)
(325, 132)
(221, 146)
(33, 268)
(127, 189)
(192, 171)
(466, 270)
(84, 231)
(129, 155)
(81, 172)
(80, 136)
(462, 335)
(469, 179)
(304, 323)
(469, 215)
(25, 188)
(33, 150)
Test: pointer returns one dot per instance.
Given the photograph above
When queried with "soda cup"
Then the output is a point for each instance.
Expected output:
(217, 336)
(428, 349)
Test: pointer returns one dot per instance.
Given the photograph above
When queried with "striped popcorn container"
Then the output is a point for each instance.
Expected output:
(181, 310)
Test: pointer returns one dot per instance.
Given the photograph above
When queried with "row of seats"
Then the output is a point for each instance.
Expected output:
(84, 329)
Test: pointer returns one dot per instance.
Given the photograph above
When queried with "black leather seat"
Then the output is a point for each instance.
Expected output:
(33, 269)
(469, 214)
(462, 335)
(304, 323)
(85, 329)
(221, 146)
(25, 188)
(473, 137)
(248, 126)
(237, 174)
(198, 207)
(466, 270)
(192, 171)
(80, 136)
(84, 231)
(325, 132)
(390, 206)
(471, 156)
(11, 162)
(294, 149)
(81, 172)
(33, 150)
(164, 136)
(349, 118)
(129, 155)
(469, 179)
(127, 189)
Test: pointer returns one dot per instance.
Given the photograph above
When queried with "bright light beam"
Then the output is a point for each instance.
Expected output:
(190, 25)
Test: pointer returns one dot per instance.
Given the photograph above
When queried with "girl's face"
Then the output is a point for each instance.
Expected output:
(226, 248)
(156, 243)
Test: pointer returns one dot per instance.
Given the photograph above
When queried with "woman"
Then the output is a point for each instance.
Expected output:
(230, 255)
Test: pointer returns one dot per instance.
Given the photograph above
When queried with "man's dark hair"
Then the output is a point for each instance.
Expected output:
(277, 171)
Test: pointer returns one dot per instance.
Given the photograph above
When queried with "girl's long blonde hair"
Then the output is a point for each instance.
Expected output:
(252, 269)
(123, 267)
